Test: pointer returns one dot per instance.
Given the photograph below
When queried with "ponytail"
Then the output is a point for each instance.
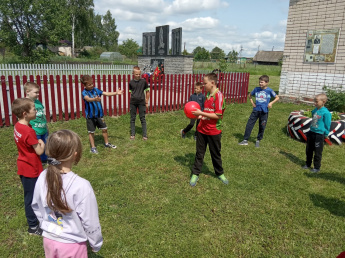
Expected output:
(56, 197)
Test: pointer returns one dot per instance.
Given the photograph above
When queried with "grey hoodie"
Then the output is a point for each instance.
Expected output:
(80, 225)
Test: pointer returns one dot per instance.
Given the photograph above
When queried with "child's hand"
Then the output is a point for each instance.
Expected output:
(119, 92)
(197, 112)
(97, 98)
(269, 105)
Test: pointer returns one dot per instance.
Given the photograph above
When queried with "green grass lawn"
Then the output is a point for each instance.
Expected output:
(271, 207)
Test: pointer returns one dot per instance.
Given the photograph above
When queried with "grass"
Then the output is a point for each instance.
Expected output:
(271, 207)
(244, 68)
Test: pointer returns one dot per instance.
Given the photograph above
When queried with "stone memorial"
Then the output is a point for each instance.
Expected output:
(156, 52)
(176, 42)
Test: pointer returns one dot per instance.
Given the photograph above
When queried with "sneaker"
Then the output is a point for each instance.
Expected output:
(193, 180)
(183, 135)
(223, 179)
(244, 142)
(35, 231)
(94, 150)
(194, 138)
(315, 170)
(109, 145)
(257, 144)
(305, 167)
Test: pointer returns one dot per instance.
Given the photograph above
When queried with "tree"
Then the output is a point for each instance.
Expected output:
(217, 53)
(110, 34)
(232, 56)
(78, 11)
(202, 55)
(24, 24)
(196, 50)
(129, 48)
(185, 52)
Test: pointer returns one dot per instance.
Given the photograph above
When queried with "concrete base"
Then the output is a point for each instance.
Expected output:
(172, 64)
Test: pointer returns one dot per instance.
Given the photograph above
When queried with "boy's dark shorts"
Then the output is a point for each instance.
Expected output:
(91, 124)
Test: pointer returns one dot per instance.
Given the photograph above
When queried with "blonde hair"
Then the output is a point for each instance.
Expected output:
(28, 86)
(61, 146)
(322, 96)
(21, 105)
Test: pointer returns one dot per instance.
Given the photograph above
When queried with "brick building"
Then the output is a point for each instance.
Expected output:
(310, 60)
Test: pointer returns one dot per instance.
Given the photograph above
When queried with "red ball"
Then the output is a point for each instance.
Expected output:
(189, 107)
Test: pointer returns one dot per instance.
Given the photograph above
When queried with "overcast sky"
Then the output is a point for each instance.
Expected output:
(230, 24)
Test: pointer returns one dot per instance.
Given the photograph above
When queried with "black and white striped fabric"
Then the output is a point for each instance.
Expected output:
(298, 125)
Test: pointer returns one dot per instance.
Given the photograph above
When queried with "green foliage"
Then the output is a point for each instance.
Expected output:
(129, 48)
(232, 56)
(223, 65)
(38, 56)
(185, 52)
(217, 53)
(95, 52)
(202, 55)
(111, 35)
(336, 99)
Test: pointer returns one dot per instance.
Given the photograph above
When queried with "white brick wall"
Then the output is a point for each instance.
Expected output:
(172, 64)
(300, 79)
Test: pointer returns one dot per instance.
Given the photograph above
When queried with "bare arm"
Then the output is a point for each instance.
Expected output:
(273, 101)
(39, 147)
(198, 112)
(118, 92)
(147, 97)
(252, 101)
(88, 99)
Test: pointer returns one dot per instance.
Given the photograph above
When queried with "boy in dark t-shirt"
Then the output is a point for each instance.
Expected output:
(140, 94)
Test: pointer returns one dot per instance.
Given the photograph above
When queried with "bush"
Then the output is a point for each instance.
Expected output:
(336, 99)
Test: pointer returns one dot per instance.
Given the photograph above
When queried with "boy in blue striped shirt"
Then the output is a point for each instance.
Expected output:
(94, 111)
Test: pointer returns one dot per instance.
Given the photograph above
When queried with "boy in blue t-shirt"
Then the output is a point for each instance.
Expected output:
(94, 111)
(263, 95)
(198, 97)
(319, 129)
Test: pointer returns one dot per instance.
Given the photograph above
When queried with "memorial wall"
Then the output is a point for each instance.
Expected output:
(314, 52)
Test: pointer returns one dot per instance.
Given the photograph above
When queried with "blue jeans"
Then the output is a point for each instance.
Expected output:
(254, 116)
(44, 139)
(29, 187)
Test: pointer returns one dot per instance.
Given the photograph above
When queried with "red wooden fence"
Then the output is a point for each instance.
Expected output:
(62, 99)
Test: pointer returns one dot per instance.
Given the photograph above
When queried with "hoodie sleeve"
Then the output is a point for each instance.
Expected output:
(327, 121)
(36, 200)
(87, 211)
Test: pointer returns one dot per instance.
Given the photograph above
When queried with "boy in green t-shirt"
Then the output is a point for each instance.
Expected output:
(32, 91)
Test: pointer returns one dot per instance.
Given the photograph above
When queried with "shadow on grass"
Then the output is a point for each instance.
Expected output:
(188, 161)
(94, 255)
(328, 176)
(334, 206)
(293, 158)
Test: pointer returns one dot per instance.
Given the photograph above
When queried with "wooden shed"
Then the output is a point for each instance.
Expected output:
(268, 57)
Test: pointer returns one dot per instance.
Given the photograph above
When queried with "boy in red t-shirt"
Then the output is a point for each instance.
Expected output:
(208, 130)
(28, 162)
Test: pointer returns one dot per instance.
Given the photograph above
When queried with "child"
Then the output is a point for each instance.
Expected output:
(28, 162)
(263, 95)
(200, 98)
(94, 111)
(319, 129)
(32, 91)
(140, 95)
(208, 131)
(65, 203)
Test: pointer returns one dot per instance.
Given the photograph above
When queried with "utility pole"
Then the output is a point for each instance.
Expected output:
(272, 48)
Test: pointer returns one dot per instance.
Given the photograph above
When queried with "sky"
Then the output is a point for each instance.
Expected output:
(250, 25)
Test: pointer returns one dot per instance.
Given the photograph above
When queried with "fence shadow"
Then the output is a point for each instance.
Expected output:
(334, 206)
(293, 158)
(188, 161)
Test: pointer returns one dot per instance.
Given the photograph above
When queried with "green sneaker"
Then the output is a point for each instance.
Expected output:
(193, 180)
(223, 179)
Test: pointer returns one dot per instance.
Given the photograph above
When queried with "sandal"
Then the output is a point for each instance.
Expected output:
(145, 138)
(132, 137)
